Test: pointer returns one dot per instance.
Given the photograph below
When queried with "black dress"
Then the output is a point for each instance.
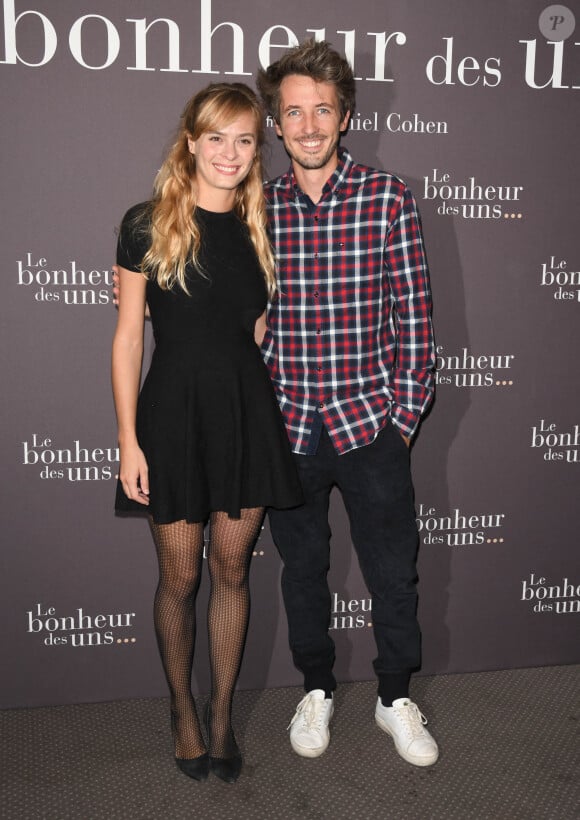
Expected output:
(207, 418)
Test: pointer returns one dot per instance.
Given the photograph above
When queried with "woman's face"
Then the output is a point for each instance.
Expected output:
(223, 160)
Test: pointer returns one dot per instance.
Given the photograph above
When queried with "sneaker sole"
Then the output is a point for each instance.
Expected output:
(304, 752)
(415, 761)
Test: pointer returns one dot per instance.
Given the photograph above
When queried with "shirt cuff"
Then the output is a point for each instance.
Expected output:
(405, 420)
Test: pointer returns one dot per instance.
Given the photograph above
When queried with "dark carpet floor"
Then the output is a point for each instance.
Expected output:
(510, 750)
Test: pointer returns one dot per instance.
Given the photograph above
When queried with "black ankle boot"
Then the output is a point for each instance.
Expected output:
(195, 767)
(226, 768)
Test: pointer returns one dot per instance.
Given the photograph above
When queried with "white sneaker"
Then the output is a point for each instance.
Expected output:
(309, 733)
(406, 725)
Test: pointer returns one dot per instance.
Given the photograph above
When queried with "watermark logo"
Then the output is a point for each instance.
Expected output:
(557, 23)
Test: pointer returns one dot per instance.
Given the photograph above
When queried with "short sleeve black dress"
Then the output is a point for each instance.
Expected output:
(207, 418)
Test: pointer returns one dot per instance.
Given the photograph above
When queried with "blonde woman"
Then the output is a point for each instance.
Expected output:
(204, 439)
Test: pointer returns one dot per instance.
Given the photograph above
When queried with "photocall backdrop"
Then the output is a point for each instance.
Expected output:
(475, 106)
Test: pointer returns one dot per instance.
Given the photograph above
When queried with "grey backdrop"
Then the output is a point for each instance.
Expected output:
(478, 111)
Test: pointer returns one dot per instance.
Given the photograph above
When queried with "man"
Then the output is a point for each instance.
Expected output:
(350, 350)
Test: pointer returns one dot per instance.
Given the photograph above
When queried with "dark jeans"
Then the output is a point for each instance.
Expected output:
(376, 487)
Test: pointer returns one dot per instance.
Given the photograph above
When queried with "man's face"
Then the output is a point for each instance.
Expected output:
(310, 124)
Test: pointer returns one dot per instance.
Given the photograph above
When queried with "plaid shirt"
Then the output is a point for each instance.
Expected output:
(349, 333)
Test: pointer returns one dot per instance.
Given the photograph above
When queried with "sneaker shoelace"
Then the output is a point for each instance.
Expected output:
(310, 711)
(413, 719)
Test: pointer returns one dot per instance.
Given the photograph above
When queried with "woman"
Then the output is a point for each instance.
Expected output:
(204, 439)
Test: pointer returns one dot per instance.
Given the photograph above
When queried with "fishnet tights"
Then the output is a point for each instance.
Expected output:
(180, 555)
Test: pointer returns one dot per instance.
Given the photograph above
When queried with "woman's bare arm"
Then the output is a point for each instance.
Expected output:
(126, 374)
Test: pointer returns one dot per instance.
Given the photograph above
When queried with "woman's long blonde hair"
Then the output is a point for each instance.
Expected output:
(175, 236)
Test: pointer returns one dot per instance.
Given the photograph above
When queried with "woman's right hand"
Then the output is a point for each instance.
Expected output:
(134, 474)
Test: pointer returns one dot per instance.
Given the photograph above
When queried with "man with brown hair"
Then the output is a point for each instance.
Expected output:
(350, 350)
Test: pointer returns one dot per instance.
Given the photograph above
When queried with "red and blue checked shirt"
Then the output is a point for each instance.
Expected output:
(349, 333)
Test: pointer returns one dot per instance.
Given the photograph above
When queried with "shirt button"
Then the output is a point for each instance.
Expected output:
(316, 256)
(319, 369)
(316, 294)
(321, 405)
(316, 219)
(318, 331)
